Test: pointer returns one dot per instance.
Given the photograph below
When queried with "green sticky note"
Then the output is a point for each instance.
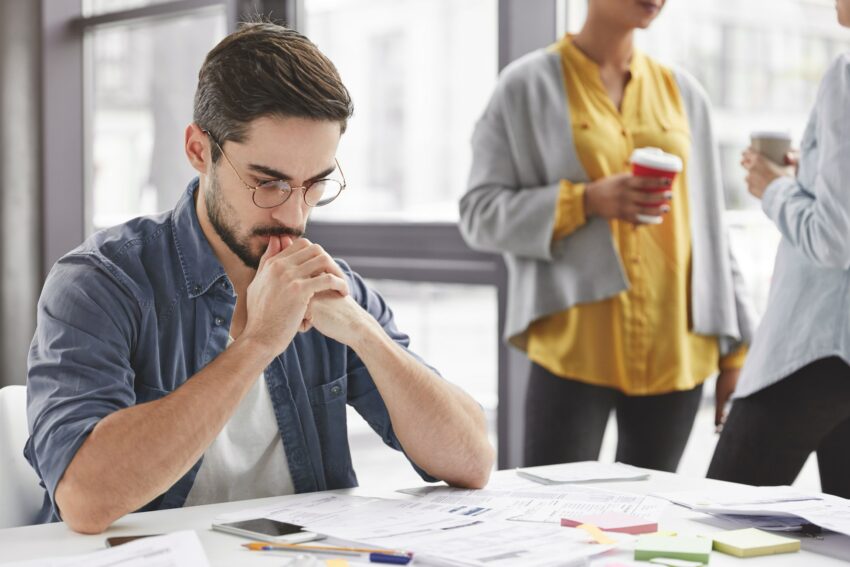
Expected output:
(751, 542)
(689, 548)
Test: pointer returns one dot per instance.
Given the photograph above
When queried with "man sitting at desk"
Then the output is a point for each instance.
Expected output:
(206, 354)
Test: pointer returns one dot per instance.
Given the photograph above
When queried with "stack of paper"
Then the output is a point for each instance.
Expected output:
(778, 505)
(586, 471)
(752, 542)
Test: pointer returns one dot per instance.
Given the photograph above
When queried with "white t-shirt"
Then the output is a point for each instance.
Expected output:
(247, 459)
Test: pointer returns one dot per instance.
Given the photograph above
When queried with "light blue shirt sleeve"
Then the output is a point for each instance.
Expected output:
(816, 219)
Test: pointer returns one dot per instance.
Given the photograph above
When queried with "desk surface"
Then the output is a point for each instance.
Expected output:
(223, 549)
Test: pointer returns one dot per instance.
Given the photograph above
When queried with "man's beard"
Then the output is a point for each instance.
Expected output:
(222, 216)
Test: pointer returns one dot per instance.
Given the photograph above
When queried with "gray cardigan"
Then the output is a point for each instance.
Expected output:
(522, 148)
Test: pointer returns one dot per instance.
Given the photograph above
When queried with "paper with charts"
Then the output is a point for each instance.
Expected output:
(172, 550)
(438, 534)
(585, 471)
(498, 543)
(540, 504)
(354, 518)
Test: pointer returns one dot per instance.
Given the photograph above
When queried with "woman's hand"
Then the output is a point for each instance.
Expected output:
(727, 380)
(761, 172)
(625, 196)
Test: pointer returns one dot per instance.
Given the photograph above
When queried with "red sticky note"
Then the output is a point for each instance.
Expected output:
(614, 522)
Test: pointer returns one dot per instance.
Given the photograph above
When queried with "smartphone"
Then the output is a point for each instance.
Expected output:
(264, 529)
(121, 540)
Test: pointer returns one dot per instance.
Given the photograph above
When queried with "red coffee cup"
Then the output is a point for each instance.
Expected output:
(654, 162)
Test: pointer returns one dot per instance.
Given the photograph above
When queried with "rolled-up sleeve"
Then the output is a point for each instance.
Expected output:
(79, 363)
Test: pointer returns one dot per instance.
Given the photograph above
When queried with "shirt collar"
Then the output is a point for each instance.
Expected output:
(201, 268)
(577, 58)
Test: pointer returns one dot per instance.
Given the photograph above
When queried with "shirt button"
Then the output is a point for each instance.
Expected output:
(196, 289)
(336, 390)
(219, 321)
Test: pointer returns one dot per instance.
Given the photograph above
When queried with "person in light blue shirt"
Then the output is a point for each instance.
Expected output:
(793, 396)
(208, 353)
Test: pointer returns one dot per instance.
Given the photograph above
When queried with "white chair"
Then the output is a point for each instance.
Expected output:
(20, 493)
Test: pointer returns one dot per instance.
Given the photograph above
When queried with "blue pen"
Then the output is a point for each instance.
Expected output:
(388, 558)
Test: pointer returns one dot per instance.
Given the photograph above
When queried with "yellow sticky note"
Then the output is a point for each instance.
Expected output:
(336, 562)
(751, 542)
(597, 534)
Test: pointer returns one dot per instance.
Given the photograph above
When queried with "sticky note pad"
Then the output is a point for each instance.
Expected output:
(614, 522)
(689, 548)
(751, 542)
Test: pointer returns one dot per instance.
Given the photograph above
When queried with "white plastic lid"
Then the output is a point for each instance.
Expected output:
(657, 158)
(776, 134)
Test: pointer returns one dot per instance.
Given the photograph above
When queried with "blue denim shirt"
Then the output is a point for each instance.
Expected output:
(137, 310)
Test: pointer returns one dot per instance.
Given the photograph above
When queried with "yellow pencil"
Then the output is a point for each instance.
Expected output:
(265, 546)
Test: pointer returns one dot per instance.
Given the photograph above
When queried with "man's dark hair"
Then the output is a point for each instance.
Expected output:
(265, 69)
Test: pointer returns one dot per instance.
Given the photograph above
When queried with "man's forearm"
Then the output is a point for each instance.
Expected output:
(135, 454)
(440, 427)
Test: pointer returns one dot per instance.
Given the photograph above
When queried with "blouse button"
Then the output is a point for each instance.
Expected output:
(219, 321)
(336, 390)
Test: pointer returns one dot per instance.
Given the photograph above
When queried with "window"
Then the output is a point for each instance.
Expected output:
(420, 73)
(143, 78)
(98, 7)
(463, 348)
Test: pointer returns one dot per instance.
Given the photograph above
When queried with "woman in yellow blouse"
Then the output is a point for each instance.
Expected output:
(613, 314)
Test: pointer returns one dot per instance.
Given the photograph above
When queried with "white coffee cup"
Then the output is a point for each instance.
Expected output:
(772, 144)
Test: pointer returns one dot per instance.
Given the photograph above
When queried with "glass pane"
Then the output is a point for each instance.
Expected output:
(420, 73)
(453, 328)
(760, 61)
(96, 7)
(143, 79)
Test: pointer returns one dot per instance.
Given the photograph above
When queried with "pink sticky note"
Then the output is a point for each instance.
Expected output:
(614, 522)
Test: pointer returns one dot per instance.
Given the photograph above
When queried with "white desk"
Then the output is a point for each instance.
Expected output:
(223, 549)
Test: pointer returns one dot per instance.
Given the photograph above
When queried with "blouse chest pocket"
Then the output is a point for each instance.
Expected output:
(672, 138)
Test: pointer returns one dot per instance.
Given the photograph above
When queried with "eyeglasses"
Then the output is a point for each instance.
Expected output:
(271, 194)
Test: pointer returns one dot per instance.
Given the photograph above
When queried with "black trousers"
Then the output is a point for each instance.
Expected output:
(565, 421)
(769, 435)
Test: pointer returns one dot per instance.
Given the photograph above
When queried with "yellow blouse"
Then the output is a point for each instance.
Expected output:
(639, 341)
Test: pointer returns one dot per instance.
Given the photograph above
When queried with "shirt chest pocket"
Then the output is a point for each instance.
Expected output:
(335, 391)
